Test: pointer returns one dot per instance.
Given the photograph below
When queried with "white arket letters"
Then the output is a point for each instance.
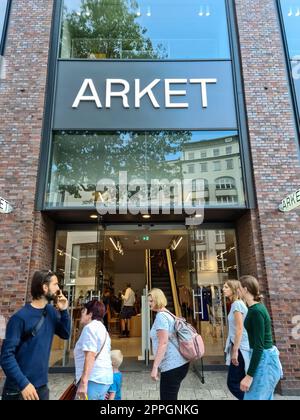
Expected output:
(140, 92)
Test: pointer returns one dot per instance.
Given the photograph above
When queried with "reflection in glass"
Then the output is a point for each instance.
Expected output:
(203, 260)
(152, 29)
(3, 8)
(81, 159)
(291, 17)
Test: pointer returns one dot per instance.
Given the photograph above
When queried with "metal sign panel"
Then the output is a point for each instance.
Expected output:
(5, 206)
(291, 202)
(109, 95)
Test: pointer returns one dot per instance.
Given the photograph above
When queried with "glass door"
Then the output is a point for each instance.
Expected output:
(79, 263)
(212, 261)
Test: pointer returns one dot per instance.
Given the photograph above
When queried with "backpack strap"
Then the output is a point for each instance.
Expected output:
(29, 334)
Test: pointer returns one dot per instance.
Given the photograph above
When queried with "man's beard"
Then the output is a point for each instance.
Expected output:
(50, 297)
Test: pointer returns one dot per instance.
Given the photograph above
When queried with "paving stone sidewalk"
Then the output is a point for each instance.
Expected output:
(139, 386)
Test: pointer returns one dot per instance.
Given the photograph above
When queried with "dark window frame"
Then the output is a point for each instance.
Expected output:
(289, 59)
(46, 146)
(5, 27)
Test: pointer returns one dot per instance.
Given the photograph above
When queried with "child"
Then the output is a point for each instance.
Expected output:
(114, 392)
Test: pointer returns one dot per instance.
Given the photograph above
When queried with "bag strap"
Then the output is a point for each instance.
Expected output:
(36, 328)
(172, 315)
(77, 383)
(102, 346)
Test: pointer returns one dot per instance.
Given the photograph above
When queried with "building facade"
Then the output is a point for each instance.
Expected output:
(169, 90)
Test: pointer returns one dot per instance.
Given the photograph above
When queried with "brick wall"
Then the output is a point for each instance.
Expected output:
(276, 172)
(25, 242)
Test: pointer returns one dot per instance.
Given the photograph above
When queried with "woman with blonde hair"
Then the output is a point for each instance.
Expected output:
(265, 368)
(237, 346)
(173, 367)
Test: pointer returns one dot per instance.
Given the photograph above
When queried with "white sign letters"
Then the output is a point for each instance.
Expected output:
(291, 202)
(5, 207)
(112, 91)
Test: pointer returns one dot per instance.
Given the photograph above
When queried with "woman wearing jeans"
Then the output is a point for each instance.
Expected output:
(168, 360)
(94, 372)
(265, 368)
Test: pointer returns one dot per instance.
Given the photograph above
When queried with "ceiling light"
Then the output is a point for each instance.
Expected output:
(114, 244)
(146, 216)
(149, 14)
(290, 12)
(94, 216)
(298, 12)
(177, 244)
(207, 11)
(201, 11)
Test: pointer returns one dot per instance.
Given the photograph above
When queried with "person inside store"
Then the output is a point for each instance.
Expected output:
(93, 365)
(172, 365)
(127, 311)
(265, 370)
(26, 349)
(107, 302)
(237, 348)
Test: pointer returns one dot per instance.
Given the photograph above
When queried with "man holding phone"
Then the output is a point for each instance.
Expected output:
(26, 349)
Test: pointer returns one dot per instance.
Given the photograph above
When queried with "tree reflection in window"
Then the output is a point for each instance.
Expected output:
(103, 29)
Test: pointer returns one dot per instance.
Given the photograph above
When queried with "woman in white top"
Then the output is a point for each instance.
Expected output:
(237, 346)
(94, 372)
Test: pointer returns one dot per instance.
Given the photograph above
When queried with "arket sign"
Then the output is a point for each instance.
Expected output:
(146, 96)
(139, 93)
(291, 202)
(5, 207)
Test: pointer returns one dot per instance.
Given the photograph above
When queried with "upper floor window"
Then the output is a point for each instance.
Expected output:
(144, 29)
(225, 183)
(191, 169)
(291, 18)
(3, 18)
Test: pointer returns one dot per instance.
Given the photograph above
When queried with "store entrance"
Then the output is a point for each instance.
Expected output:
(189, 264)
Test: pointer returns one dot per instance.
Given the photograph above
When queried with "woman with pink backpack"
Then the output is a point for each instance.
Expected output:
(168, 360)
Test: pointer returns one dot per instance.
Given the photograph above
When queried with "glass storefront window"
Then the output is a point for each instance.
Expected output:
(291, 18)
(3, 10)
(144, 29)
(81, 160)
(203, 260)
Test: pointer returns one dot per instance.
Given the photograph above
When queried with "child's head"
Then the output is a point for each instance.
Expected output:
(116, 358)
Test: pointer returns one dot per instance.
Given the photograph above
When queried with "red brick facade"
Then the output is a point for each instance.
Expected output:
(25, 239)
(268, 240)
(272, 237)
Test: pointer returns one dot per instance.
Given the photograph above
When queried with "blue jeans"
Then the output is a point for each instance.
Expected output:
(97, 392)
(266, 378)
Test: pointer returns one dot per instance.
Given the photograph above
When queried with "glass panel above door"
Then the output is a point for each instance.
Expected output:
(84, 164)
(152, 29)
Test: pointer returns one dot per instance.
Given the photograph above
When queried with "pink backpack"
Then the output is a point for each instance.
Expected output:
(189, 343)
